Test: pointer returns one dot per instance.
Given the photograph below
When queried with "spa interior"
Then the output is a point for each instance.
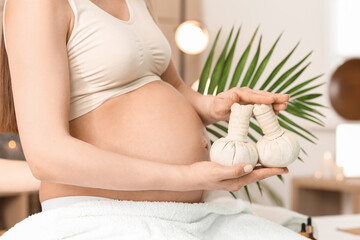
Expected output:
(307, 49)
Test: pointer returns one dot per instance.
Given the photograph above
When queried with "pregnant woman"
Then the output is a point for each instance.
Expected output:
(101, 111)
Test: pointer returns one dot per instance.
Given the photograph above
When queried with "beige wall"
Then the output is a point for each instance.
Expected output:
(169, 16)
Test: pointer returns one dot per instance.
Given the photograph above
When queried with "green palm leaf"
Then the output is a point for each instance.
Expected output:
(278, 68)
(242, 61)
(219, 67)
(302, 105)
(292, 79)
(273, 196)
(301, 85)
(252, 138)
(309, 97)
(221, 127)
(283, 77)
(233, 194)
(306, 90)
(263, 64)
(227, 65)
(314, 104)
(288, 127)
(255, 127)
(259, 187)
(302, 150)
(288, 120)
(213, 132)
(252, 66)
(247, 193)
(306, 108)
(207, 68)
(304, 115)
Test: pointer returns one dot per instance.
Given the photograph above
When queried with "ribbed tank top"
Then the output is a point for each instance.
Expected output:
(109, 56)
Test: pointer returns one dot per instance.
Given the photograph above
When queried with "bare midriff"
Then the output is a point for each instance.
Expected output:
(154, 122)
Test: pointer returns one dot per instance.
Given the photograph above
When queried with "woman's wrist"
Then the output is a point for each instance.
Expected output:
(205, 111)
(179, 178)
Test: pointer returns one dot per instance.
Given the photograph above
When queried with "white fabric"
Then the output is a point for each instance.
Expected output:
(106, 219)
(282, 216)
(279, 215)
(65, 201)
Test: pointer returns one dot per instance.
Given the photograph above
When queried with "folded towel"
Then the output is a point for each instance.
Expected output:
(280, 215)
(283, 216)
(113, 219)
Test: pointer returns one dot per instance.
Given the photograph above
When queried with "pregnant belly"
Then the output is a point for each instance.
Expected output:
(154, 122)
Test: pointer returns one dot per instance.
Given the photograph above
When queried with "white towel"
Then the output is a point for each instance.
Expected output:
(113, 219)
(280, 215)
(283, 216)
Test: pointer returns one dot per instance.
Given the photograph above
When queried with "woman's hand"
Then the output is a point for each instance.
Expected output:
(207, 175)
(219, 106)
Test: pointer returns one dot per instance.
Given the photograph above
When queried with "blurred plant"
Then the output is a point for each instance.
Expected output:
(301, 105)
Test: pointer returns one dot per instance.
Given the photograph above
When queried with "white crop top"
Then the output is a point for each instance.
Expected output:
(109, 57)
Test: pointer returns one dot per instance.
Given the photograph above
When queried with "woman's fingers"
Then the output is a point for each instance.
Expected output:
(262, 173)
(234, 172)
(250, 96)
(207, 175)
(279, 97)
(261, 167)
(258, 174)
(279, 107)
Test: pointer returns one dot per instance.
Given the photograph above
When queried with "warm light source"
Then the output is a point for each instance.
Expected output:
(318, 175)
(328, 165)
(12, 144)
(191, 37)
(347, 19)
(347, 149)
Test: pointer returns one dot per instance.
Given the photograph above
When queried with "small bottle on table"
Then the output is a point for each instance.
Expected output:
(310, 229)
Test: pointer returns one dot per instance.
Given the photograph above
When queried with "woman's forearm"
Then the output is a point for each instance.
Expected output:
(74, 162)
(15, 176)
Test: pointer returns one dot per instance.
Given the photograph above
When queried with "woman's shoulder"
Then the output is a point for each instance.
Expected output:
(32, 10)
(36, 6)
(37, 15)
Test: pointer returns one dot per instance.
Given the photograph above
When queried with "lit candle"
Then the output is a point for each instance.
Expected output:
(328, 165)
(318, 175)
(339, 173)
